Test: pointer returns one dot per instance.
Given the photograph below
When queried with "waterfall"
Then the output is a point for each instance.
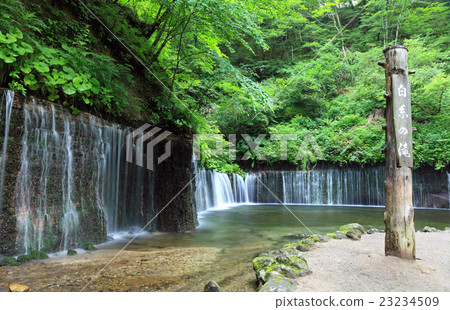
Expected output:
(73, 184)
(325, 186)
(7, 99)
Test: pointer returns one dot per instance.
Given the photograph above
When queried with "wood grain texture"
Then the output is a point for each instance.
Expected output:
(399, 214)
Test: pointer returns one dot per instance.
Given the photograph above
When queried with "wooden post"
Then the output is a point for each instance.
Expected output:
(399, 214)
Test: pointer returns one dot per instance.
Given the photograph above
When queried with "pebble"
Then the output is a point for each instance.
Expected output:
(16, 287)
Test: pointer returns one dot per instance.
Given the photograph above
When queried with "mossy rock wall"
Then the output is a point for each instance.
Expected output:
(102, 193)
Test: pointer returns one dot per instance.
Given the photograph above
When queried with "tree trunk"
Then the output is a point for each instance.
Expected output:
(399, 214)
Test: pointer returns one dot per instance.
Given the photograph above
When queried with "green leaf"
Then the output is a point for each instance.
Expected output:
(26, 69)
(16, 32)
(28, 48)
(6, 58)
(41, 67)
(8, 38)
(69, 89)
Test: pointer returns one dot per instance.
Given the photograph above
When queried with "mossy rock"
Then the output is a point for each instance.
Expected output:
(24, 258)
(352, 226)
(354, 234)
(339, 235)
(38, 255)
(303, 245)
(89, 247)
(447, 228)
(321, 238)
(279, 283)
(8, 261)
(429, 229)
(71, 252)
(287, 262)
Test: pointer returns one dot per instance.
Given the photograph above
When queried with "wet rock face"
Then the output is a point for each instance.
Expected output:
(280, 266)
(173, 184)
(67, 182)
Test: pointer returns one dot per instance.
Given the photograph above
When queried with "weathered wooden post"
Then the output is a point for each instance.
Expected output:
(399, 214)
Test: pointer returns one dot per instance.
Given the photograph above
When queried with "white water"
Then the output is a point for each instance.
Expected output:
(8, 99)
(73, 181)
(330, 186)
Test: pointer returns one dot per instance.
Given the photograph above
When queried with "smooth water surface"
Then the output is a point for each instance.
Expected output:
(242, 232)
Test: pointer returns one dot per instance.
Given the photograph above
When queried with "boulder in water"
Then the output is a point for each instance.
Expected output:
(279, 283)
(16, 287)
(211, 287)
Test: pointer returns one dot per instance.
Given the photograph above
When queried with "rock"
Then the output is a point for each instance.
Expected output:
(24, 258)
(352, 226)
(11, 261)
(288, 262)
(372, 231)
(303, 245)
(302, 235)
(211, 287)
(89, 247)
(279, 283)
(71, 252)
(354, 234)
(323, 238)
(429, 229)
(109, 238)
(38, 255)
(339, 235)
(3, 260)
(447, 229)
(16, 287)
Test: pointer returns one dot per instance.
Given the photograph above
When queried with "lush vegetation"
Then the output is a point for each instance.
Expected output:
(301, 67)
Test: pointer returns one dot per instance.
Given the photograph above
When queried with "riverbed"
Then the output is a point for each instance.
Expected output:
(221, 249)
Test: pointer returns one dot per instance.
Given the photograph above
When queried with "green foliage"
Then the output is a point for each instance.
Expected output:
(71, 252)
(68, 72)
(89, 247)
(24, 258)
(38, 255)
(304, 68)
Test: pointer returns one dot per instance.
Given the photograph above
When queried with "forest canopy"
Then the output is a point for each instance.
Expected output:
(238, 67)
